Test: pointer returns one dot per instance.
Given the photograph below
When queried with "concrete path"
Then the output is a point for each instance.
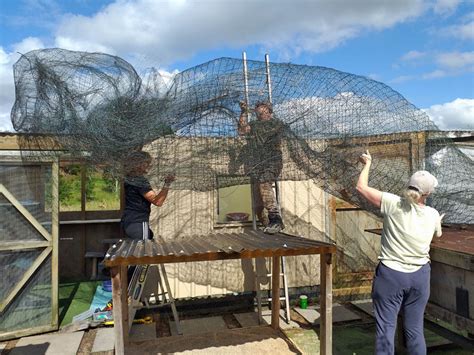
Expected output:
(339, 314)
(49, 344)
(199, 325)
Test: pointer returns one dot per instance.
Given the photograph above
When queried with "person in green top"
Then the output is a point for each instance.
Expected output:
(264, 160)
(402, 278)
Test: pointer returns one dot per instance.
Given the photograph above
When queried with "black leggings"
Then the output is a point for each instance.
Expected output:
(138, 231)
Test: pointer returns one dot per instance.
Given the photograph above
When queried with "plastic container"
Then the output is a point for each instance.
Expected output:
(107, 285)
(303, 302)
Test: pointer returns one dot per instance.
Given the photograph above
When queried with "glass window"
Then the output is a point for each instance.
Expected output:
(234, 203)
(70, 187)
(102, 191)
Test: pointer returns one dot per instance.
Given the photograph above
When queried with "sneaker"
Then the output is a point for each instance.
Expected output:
(273, 228)
(275, 225)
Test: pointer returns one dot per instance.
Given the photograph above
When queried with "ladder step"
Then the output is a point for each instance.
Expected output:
(270, 275)
(281, 298)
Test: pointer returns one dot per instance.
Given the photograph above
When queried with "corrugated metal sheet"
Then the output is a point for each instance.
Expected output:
(456, 238)
(249, 242)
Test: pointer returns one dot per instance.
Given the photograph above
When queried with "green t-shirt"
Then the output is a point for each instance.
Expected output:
(407, 233)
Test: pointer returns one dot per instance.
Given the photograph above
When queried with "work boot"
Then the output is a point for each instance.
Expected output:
(275, 224)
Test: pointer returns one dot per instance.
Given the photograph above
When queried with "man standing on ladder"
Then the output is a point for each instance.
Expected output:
(263, 160)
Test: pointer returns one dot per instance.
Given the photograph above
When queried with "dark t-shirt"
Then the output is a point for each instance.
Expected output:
(137, 208)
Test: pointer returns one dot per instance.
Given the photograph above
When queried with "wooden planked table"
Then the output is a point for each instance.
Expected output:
(219, 246)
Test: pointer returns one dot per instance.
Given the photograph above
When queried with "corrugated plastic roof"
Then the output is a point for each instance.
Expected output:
(215, 246)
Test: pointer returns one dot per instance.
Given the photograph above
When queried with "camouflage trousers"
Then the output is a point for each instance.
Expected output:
(265, 199)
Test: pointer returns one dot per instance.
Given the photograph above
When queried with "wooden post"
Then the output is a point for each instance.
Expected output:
(55, 242)
(326, 305)
(276, 292)
(120, 307)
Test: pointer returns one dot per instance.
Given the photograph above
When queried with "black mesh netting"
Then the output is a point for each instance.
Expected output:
(98, 107)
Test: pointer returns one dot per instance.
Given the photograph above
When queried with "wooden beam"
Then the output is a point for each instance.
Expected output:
(26, 276)
(209, 256)
(326, 305)
(18, 333)
(29, 217)
(22, 245)
(55, 244)
(276, 270)
(120, 309)
(450, 317)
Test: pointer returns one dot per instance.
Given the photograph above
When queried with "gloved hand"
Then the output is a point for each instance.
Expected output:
(365, 158)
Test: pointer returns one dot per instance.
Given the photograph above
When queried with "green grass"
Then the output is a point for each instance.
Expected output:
(75, 298)
(100, 193)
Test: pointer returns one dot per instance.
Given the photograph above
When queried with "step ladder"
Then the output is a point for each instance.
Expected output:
(139, 300)
(259, 292)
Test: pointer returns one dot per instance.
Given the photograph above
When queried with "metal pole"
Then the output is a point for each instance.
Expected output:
(269, 82)
(269, 87)
(246, 92)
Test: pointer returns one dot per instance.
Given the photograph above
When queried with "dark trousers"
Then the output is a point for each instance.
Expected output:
(393, 291)
(137, 231)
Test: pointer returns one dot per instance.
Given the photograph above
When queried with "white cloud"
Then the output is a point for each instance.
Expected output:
(456, 60)
(464, 31)
(402, 79)
(168, 30)
(457, 114)
(445, 7)
(434, 74)
(7, 85)
(413, 55)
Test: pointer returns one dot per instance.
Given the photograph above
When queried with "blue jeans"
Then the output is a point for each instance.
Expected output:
(393, 291)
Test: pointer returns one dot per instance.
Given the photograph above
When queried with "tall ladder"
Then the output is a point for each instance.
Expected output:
(285, 297)
(254, 217)
(140, 300)
(268, 276)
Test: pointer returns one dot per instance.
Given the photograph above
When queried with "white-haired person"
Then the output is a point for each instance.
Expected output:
(402, 277)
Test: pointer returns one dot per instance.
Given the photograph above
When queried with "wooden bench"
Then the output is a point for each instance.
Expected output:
(95, 256)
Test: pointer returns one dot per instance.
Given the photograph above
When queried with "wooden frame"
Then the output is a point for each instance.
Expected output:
(50, 245)
(120, 282)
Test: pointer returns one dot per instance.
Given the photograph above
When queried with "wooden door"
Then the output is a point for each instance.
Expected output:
(28, 247)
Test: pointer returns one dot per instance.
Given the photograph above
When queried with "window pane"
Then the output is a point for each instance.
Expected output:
(234, 203)
(102, 191)
(69, 187)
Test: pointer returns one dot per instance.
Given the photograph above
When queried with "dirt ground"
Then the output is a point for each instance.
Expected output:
(252, 340)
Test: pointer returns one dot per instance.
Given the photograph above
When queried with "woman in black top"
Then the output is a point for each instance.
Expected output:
(139, 196)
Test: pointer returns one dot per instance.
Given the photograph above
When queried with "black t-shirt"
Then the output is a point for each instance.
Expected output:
(137, 208)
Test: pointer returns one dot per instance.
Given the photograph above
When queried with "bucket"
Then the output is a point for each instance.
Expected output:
(303, 302)
(107, 285)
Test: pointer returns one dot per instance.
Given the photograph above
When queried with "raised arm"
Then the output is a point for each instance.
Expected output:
(243, 126)
(159, 198)
(372, 195)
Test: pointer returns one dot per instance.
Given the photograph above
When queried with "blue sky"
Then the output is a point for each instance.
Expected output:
(422, 49)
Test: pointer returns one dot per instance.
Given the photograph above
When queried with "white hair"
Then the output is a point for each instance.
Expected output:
(411, 197)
